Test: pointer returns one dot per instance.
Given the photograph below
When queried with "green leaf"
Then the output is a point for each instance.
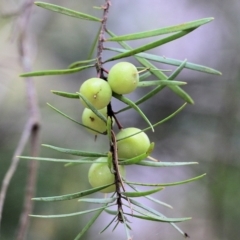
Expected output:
(99, 114)
(144, 75)
(160, 82)
(72, 195)
(158, 219)
(153, 211)
(109, 128)
(154, 91)
(164, 164)
(158, 123)
(79, 63)
(56, 72)
(94, 44)
(159, 74)
(182, 94)
(160, 31)
(66, 11)
(125, 225)
(66, 116)
(68, 214)
(85, 160)
(110, 162)
(169, 61)
(98, 200)
(151, 198)
(141, 194)
(150, 45)
(167, 184)
(108, 225)
(134, 106)
(137, 158)
(76, 152)
(65, 94)
(111, 212)
(89, 224)
(176, 89)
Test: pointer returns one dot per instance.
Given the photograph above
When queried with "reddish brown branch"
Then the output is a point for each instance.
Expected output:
(102, 36)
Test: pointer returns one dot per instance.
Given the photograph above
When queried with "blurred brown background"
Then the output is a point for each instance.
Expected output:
(207, 132)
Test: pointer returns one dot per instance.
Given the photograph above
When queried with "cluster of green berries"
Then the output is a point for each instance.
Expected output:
(122, 78)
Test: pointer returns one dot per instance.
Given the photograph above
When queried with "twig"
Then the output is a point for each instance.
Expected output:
(9, 174)
(102, 37)
(24, 54)
(31, 130)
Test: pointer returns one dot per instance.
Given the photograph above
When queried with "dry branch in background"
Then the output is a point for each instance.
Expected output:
(31, 130)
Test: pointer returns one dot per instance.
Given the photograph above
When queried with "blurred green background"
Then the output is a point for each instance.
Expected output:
(207, 132)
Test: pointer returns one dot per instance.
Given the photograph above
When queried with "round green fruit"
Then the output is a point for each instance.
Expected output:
(123, 78)
(99, 174)
(97, 91)
(90, 119)
(132, 146)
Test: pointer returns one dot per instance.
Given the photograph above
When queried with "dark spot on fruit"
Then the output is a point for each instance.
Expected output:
(92, 119)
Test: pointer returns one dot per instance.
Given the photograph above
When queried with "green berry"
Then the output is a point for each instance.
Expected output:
(132, 146)
(90, 119)
(123, 78)
(97, 91)
(99, 174)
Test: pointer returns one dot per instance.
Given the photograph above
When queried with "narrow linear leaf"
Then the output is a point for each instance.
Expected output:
(98, 200)
(68, 214)
(66, 11)
(134, 106)
(181, 93)
(99, 114)
(111, 212)
(89, 224)
(80, 63)
(144, 75)
(94, 44)
(178, 70)
(110, 162)
(149, 209)
(125, 225)
(158, 219)
(151, 198)
(167, 184)
(160, 82)
(159, 74)
(65, 94)
(160, 31)
(108, 224)
(138, 158)
(158, 123)
(109, 128)
(154, 91)
(87, 160)
(150, 45)
(169, 61)
(141, 194)
(56, 72)
(72, 195)
(176, 89)
(164, 164)
(76, 152)
(66, 116)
